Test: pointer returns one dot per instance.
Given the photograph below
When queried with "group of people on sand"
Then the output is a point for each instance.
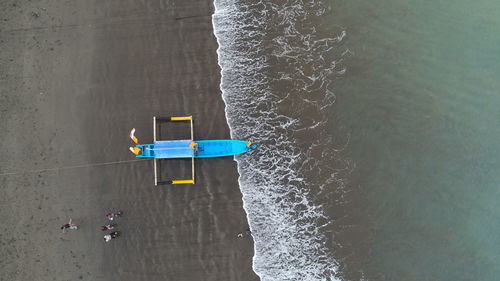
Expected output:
(115, 234)
(109, 226)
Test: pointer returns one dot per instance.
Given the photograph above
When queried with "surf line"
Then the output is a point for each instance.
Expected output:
(72, 167)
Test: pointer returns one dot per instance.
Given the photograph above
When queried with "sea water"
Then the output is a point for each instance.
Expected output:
(377, 125)
(421, 103)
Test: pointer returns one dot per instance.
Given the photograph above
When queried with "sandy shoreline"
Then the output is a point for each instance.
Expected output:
(75, 78)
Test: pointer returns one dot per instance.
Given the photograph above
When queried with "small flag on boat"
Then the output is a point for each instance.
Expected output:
(133, 137)
(135, 150)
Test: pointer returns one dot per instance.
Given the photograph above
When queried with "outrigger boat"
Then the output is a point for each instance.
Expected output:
(187, 148)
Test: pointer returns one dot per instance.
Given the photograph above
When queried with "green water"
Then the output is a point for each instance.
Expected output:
(420, 100)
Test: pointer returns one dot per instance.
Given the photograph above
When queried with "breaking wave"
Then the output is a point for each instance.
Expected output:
(276, 71)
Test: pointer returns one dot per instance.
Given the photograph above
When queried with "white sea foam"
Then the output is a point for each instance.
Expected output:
(276, 70)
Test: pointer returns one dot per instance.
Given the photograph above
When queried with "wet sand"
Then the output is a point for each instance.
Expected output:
(75, 78)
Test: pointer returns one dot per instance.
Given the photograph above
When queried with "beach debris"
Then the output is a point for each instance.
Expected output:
(132, 136)
(112, 235)
(135, 150)
(69, 225)
(245, 233)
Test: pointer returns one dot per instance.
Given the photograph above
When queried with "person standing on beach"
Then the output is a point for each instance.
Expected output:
(112, 216)
(69, 225)
(108, 226)
(110, 236)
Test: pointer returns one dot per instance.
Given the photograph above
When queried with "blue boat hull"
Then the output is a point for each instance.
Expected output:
(205, 149)
(221, 148)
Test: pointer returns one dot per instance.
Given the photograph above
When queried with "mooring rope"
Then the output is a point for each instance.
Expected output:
(72, 167)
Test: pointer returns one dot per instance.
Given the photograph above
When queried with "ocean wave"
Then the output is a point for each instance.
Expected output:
(276, 71)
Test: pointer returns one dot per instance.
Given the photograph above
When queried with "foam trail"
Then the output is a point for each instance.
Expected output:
(276, 70)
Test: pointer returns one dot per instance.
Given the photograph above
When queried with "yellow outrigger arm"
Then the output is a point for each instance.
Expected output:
(191, 181)
(173, 118)
(193, 145)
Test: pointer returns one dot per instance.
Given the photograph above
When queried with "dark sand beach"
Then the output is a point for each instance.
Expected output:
(76, 76)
